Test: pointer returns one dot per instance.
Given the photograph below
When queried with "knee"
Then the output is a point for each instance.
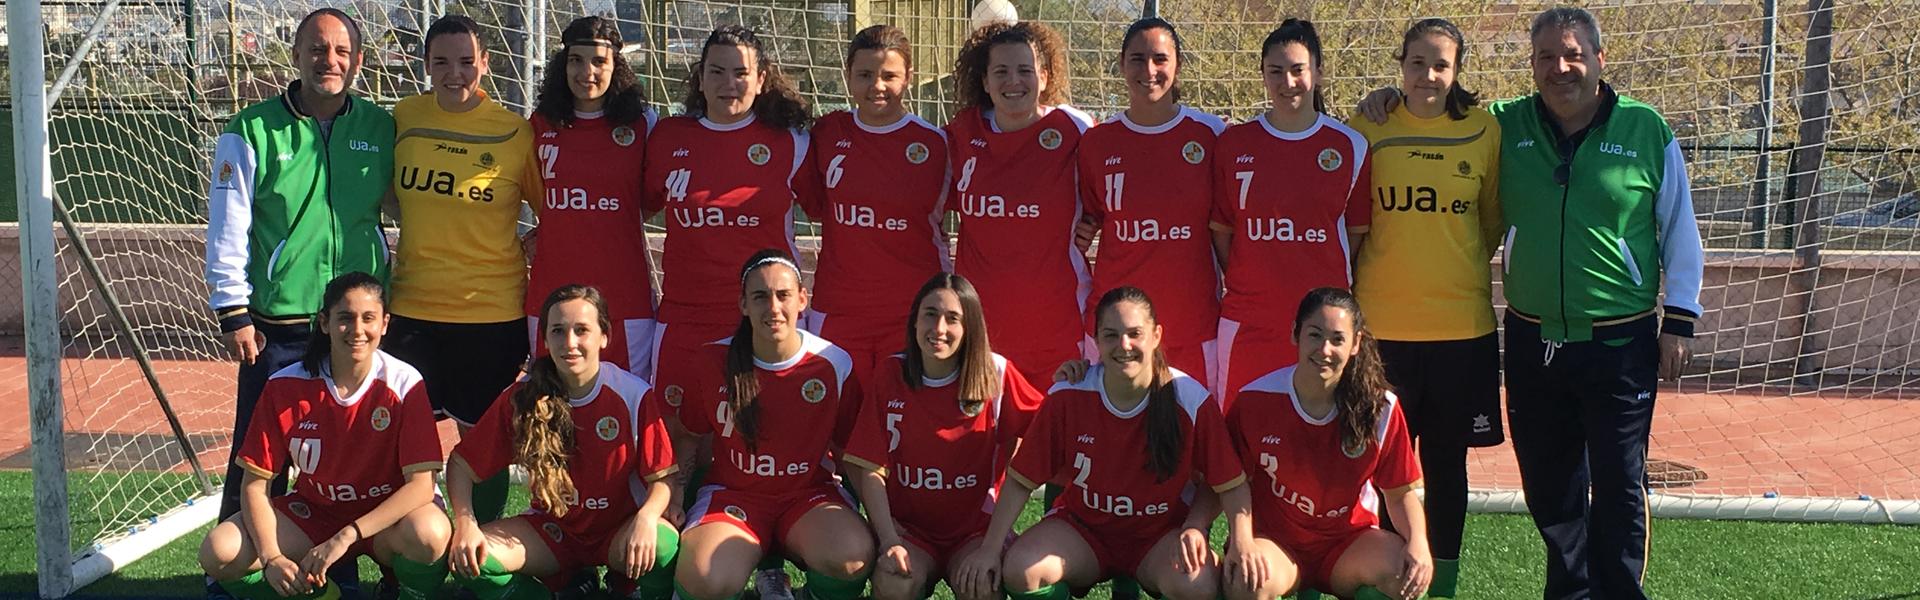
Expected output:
(1027, 569)
(1201, 585)
(845, 560)
(220, 553)
(890, 586)
(423, 535)
(706, 584)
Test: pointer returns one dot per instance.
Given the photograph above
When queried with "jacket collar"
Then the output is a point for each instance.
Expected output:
(287, 100)
(1562, 140)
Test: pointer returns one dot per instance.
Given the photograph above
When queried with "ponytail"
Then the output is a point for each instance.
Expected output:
(1164, 439)
(743, 383)
(543, 435)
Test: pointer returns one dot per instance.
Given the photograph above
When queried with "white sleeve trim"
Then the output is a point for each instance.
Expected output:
(1681, 258)
(229, 218)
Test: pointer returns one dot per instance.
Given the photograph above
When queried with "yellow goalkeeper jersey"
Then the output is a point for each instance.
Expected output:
(1423, 272)
(461, 178)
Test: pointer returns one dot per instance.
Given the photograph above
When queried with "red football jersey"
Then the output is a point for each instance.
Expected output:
(943, 466)
(1080, 437)
(1289, 199)
(727, 191)
(349, 453)
(886, 191)
(1152, 189)
(1018, 204)
(591, 224)
(800, 399)
(1304, 484)
(620, 444)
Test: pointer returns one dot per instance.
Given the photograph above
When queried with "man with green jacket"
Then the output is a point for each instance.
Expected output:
(294, 202)
(1599, 220)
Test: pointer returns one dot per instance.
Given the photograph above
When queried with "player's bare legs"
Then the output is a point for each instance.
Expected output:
(1283, 575)
(836, 547)
(1048, 556)
(715, 560)
(1163, 572)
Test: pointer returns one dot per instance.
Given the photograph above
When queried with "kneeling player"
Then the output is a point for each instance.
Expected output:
(941, 419)
(1121, 515)
(356, 423)
(591, 439)
(778, 420)
(1319, 438)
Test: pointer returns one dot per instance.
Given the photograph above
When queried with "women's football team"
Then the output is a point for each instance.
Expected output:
(688, 442)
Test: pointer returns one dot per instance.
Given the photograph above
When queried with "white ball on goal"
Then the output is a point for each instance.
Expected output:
(988, 12)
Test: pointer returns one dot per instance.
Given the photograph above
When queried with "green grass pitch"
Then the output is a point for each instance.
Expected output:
(1690, 559)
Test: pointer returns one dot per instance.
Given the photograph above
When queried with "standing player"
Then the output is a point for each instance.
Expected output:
(1125, 514)
(1423, 273)
(885, 173)
(597, 457)
(727, 173)
(941, 420)
(1013, 142)
(1315, 512)
(356, 425)
(464, 163)
(592, 123)
(788, 407)
(1147, 175)
(1290, 204)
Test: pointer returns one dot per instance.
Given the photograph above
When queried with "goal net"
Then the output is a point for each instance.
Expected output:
(1797, 121)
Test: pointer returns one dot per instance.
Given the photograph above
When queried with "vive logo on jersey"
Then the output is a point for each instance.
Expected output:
(1113, 161)
(759, 154)
(1084, 439)
(843, 144)
(1618, 150)
(454, 150)
(814, 390)
(1193, 152)
(1526, 143)
(309, 426)
(917, 153)
(623, 135)
(896, 404)
(607, 428)
(979, 143)
(1050, 138)
(381, 418)
(681, 153)
(1271, 440)
(1330, 159)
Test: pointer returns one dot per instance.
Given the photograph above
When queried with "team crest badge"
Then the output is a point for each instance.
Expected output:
(608, 428)
(1465, 169)
(1353, 453)
(226, 172)
(623, 135)
(382, 418)
(553, 531)
(1193, 152)
(300, 509)
(813, 391)
(759, 154)
(917, 153)
(674, 395)
(736, 512)
(1330, 159)
(486, 160)
(1050, 138)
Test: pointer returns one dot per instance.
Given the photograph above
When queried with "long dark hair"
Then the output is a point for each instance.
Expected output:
(1361, 394)
(742, 377)
(1179, 48)
(454, 24)
(1049, 56)
(625, 101)
(779, 104)
(979, 381)
(1164, 439)
(542, 417)
(1298, 31)
(318, 358)
(1458, 98)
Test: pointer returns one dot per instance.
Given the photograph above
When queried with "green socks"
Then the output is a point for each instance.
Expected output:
(1058, 591)
(254, 586)
(1446, 578)
(496, 583)
(490, 497)
(418, 581)
(1307, 593)
(822, 587)
(658, 582)
(1367, 592)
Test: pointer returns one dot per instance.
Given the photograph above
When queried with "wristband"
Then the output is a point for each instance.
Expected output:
(357, 534)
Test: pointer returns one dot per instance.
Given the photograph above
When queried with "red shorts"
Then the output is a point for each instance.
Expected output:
(764, 517)
(942, 548)
(868, 339)
(679, 365)
(1119, 553)
(1315, 555)
(571, 550)
(320, 523)
(1246, 352)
